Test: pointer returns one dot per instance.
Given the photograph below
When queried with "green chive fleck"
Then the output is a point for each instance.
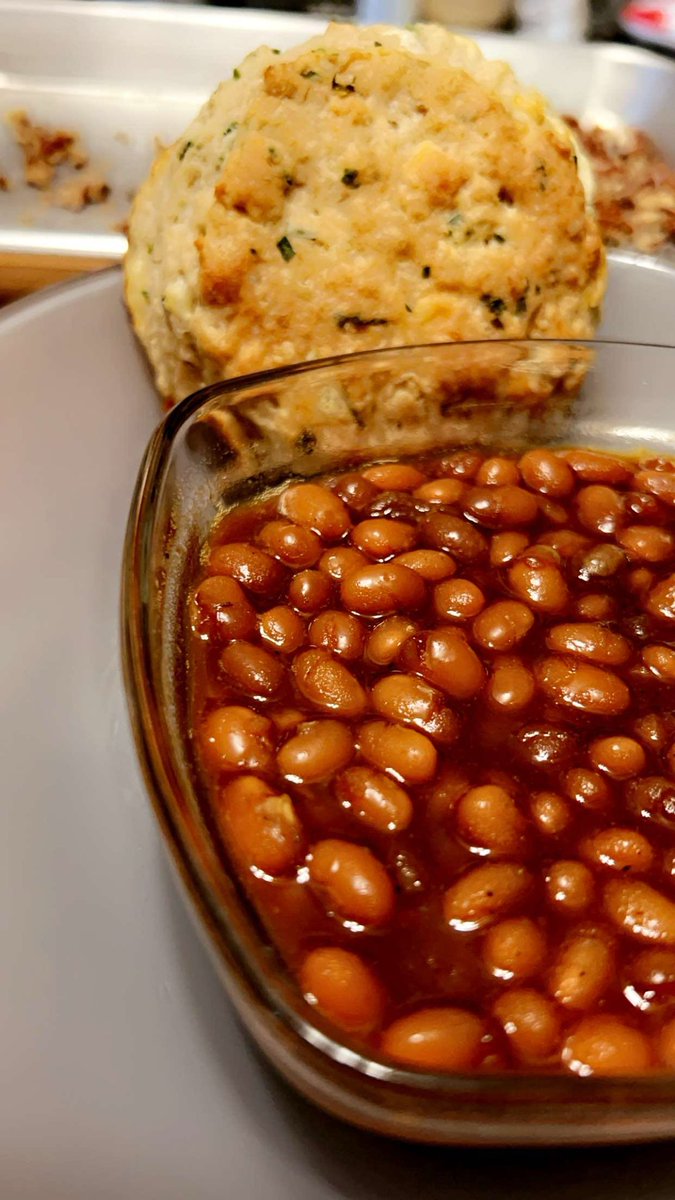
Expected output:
(285, 249)
(232, 125)
(236, 74)
(309, 74)
(146, 296)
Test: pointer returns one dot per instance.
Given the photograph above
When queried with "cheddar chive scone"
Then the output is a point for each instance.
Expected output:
(372, 187)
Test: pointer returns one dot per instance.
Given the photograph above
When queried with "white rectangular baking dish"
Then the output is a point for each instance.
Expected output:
(123, 75)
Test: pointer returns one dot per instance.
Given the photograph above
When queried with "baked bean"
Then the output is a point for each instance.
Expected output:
(502, 625)
(382, 589)
(316, 751)
(504, 547)
(595, 606)
(620, 757)
(409, 754)
(514, 950)
(436, 1039)
(327, 684)
(538, 582)
(463, 464)
(640, 506)
(488, 818)
(414, 702)
(236, 739)
(375, 799)
(496, 472)
(606, 1045)
(545, 747)
(251, 567)
(617, 849)
(501, 507)
(650, 980)
(546, 473)
(582, 971)
(382, 538)
(458, 599)
(343, 988)
(591, 641)
(222, 609)
(588, 789)
(356, 491)
(295, 546)
(451, 786)
(259, 826)
(661, 662)
(387, 638)
(599, 562)
(579, 685)
(552, 512)
(652, 730)
(444, 531)
(594, 467)
(661, 600)
(550, 813)
(636, 908)
(485, 893)
(652, 797)
(252, 669)
(354, 882)
(569, 887)
(511, 685)
(394, 477)
(647, 543)
(530, 1022)
(666, 1045)
(565, 542)
(441, 491)
(339, 632)
(285, 719)
(600, 509)
(309, 591)
(316, 508)
(659, 483)
(446, 659)
(432, 565)
(341, 561)
(639, 581)
(282, 628)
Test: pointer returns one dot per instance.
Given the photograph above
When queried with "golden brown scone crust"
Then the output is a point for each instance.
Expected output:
(373, 188)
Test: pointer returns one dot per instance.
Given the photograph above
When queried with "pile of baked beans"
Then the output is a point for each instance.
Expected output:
(433, 710)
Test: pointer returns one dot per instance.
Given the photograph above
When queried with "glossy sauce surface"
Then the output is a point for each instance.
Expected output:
(433, 708)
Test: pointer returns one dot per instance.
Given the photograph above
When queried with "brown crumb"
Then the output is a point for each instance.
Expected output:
(4, 183)
(76, 194)
(634, 187)
(121, 227)
(45, 149)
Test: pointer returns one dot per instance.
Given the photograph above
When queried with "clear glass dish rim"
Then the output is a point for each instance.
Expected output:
(656, 1087)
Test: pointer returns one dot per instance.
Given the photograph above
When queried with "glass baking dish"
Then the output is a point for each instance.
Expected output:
(233, 442)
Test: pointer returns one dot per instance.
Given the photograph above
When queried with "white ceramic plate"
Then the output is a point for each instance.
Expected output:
(124, 1073)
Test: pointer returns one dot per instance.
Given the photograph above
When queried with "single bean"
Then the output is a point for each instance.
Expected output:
(445, 531)
(341, 561)
(458, 599)
(600, 509)
(501, 507)
(353, 880)
(538, 582)
(394, 477)
(647, 543)
(285, 719)
(485, 893)
(441, 491)
(595, 606)
(661, 600)
(514, 950)
(640, 581)
(446, 659)
(606, 1045)
(463, 464)
(251, 567)
(547, 473)
(649, 980)
(661, 662)
(381, 538)
(569, 887)
(432, 565)
(375, 799)
(451, 786)
(594, 467)
(409, 754)
(339, 632)
(260, 827)
(565, 542)
(653, 730)
(659, 483)
(618, 849)
(582, 971)
(282, 628)
(545, 747)
(590, 641)
(356, 491)
(603, 561)
(496, 472)
(412, 701)
(221, 609)
(620, 757)
(316, 751)
(652, 797)
(530, 1023)
(252, 669)
(436, 1039)
(234, 738)
(636, 908)
(309, 591)
(295, 546)
(316, 508)
(579, 685)
(382, 589)
(552, 512)
(511, 686)
(502, 625)
(588, 789)
(489, 819)
(386, 640)
(327, 684)
(550, 813)
(343, 988)
(504, 547)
